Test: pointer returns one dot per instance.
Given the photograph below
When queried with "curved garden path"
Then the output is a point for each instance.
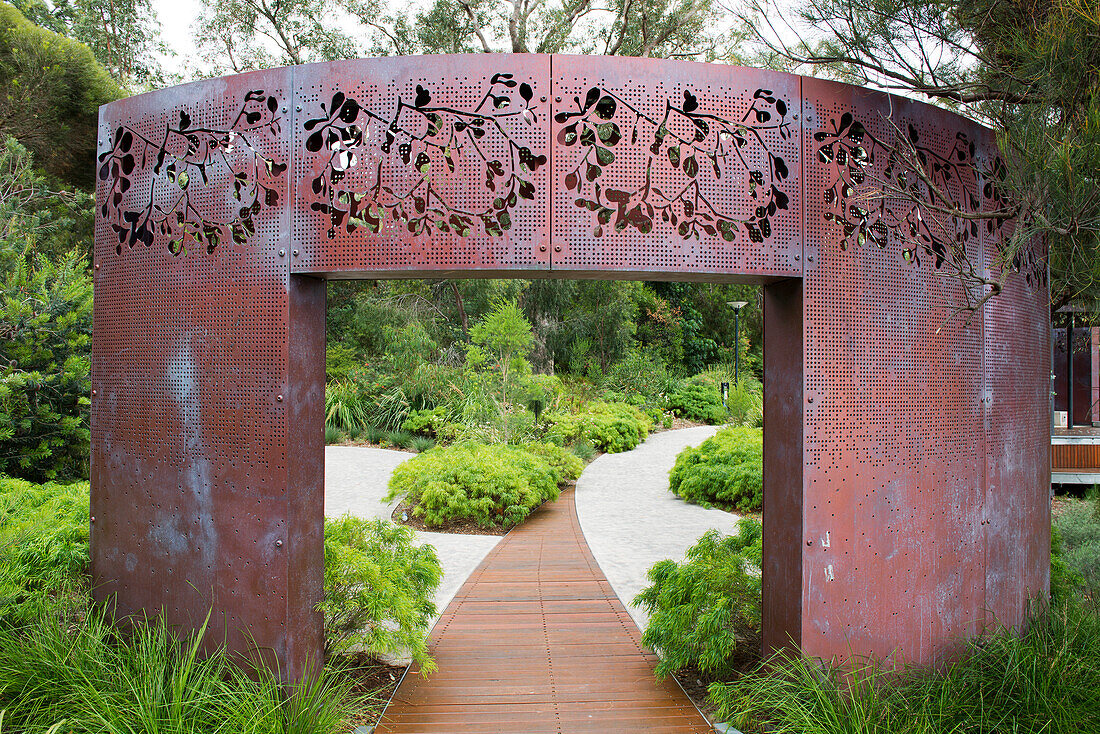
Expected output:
(538, 640)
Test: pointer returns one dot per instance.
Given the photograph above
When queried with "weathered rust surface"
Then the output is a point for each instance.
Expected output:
(537, 641)
(919, 510)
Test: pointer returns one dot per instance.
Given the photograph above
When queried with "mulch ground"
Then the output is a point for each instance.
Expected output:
(374, 684)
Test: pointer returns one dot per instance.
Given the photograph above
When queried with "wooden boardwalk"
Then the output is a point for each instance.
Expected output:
(537, 641)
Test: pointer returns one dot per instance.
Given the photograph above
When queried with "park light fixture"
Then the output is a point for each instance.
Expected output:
(737, 306)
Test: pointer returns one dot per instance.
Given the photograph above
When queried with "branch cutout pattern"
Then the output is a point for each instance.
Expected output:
(695, 150)
(917, 202)
(191, 166)
(430, 144)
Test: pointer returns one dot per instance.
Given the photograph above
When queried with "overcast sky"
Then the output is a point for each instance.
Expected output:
(176, 18)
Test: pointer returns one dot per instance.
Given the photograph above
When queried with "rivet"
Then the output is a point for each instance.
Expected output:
(557, 99)
(810, 400)
(542, 248)
(282, 253)
(810, 258)
(797, 258)
(557, 248)
(97, 266)
(298, 108)
(279, 398)
(93, 518)
(284, 110)
(809, 542)
(543, 99)
(295, 253)
(93, 392)
(278, 544)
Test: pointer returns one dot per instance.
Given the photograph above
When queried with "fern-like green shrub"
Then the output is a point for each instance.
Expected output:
(704, 613)
(43, 543)
(726, 470)
(699, 399)
(490, 484)
(610, 427)
(379, 589)
(566, 464)
(1079, 528)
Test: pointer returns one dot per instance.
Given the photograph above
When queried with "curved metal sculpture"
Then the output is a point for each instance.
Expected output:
(906, 471)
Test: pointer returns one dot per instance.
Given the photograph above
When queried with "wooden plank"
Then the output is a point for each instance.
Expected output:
(537, 641)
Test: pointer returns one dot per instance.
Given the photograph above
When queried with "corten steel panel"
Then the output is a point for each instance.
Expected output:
(422, 163)
(783, 465)
(1016, 370)
(675, 167)
(190, 420)
(893, 475)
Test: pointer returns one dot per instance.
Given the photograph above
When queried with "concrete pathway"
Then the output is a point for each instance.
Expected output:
(631, 520)
(537, 641)
(356, 480)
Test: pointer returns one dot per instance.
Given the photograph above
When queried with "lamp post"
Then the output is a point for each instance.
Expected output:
(737, 306)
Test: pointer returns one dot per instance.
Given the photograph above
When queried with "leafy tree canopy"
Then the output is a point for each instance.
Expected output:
(51, 88)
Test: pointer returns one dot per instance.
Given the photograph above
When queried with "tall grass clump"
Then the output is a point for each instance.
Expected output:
(95, 678)
(1045, 679)
(1079, 530)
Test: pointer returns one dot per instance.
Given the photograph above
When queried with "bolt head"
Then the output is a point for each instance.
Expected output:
(279, 398)
(282, 253)
(295, 253)
(278, 544)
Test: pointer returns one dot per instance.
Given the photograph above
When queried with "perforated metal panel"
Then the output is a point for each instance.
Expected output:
(675, 167)
(920, 512)
(423, 163)
(190, 357)
(893, 501)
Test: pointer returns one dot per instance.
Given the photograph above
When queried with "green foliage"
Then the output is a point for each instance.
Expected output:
(705, 613)
(426, 422)
(488, 484)
(699, 399)
(726, 470)
(43, 544)
(84, 672)
(46, 321)
(1079, 529)
(333, 435)
(610, 427)
(51, 88)
(640, 373)
(584, 450)
(567, 465)
(379, 588)
(1043, 679)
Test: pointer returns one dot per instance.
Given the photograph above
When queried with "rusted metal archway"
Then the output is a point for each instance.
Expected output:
(906, 452)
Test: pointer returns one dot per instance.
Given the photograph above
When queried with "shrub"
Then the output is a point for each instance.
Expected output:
(705, 613)
(379, 588)
(488, 484)
(374, 434)
(83, 671)
(43, 543)
(698, 399)
(1079, 528)
(1042, 679)
(639, 373)
(566, 465)
(745, 404)
(426, 422)
(610, 427)
(726, 470)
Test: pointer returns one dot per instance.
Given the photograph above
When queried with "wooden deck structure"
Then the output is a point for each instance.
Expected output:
(537, 641)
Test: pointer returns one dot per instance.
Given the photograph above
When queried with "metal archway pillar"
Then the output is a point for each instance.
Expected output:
(906, 452)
